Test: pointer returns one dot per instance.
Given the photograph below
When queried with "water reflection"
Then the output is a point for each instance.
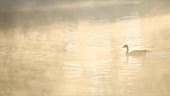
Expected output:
(83, 57)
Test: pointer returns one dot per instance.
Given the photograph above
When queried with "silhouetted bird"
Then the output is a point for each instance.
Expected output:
(135, 52)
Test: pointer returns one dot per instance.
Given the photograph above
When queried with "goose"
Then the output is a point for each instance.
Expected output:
(135, 52)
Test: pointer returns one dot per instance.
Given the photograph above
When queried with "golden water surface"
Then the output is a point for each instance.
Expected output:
(77, 52)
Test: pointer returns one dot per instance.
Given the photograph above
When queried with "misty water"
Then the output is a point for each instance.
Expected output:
(77, 51)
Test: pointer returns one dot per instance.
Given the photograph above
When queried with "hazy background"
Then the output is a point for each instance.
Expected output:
(41, 12)
(73, 47)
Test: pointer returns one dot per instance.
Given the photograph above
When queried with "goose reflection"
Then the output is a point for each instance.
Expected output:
(135, 52)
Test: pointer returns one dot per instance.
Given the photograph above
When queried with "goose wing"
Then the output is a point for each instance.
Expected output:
(138, 52)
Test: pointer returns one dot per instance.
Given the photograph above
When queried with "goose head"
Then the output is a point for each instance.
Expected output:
(125, 46)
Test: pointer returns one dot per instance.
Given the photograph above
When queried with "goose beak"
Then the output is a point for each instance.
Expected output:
(123, 46)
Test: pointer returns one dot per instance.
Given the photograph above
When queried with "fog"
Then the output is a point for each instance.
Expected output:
(74, 47)
(16, 12)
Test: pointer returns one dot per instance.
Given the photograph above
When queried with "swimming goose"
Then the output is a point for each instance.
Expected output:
(135, 52)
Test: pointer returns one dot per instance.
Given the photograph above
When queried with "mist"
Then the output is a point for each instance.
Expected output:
(16, 12)
(84, 48)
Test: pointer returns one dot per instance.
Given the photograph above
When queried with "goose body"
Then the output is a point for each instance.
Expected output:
(135, 52)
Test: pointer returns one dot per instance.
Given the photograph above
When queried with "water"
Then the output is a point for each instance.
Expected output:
(80, 54)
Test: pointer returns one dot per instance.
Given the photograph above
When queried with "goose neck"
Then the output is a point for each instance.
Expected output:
(127, 51)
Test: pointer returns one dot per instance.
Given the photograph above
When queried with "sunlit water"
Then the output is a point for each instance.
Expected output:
(85, 58)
